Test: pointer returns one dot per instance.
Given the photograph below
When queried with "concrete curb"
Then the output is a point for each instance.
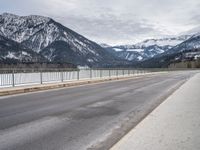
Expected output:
(174, 124)
(48, 86)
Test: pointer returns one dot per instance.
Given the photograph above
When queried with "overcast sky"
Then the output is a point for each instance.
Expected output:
(114, 21)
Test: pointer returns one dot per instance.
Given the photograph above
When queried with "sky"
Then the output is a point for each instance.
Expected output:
(114, 22)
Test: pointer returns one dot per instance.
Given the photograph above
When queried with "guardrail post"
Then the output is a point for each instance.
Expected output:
(41, 82)
(13, 78)
(100, 73)
(128, 72)
(123, 72)
(61, 76)
(78, 75)
(117, 73)
(109, 73)
(90, 73)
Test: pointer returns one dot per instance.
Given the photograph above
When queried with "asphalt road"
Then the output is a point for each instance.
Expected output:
(85, 117)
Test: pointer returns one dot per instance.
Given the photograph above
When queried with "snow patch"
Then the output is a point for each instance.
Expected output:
(118, 49)
(139, 58)
(135, 50)
(90, 60)
(11, 55)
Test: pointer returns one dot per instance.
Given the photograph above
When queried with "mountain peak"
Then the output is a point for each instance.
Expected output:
(38, 18)
(21, 28)
(9, 15)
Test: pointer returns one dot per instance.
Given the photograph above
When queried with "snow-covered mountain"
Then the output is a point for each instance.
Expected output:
(147, 49)
(52, 40)
(185, 52)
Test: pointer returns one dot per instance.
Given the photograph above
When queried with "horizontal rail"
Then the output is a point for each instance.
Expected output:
(18, 77)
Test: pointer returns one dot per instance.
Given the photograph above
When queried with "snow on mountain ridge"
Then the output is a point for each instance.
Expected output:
(36, 18)
(163, 42)
(148, 48)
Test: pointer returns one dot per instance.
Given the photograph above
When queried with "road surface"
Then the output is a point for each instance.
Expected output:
(85, 117)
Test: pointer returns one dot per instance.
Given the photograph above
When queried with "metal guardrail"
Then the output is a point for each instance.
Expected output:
(19, 77)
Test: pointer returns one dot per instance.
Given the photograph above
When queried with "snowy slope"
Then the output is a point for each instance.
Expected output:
(19, 28)
(11, 51)
(186, 51)
(148, 48)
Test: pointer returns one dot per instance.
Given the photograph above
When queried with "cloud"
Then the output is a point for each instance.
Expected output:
(114, 21)
(111, 29)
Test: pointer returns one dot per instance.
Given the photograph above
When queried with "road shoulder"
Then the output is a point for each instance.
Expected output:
(175, 124)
